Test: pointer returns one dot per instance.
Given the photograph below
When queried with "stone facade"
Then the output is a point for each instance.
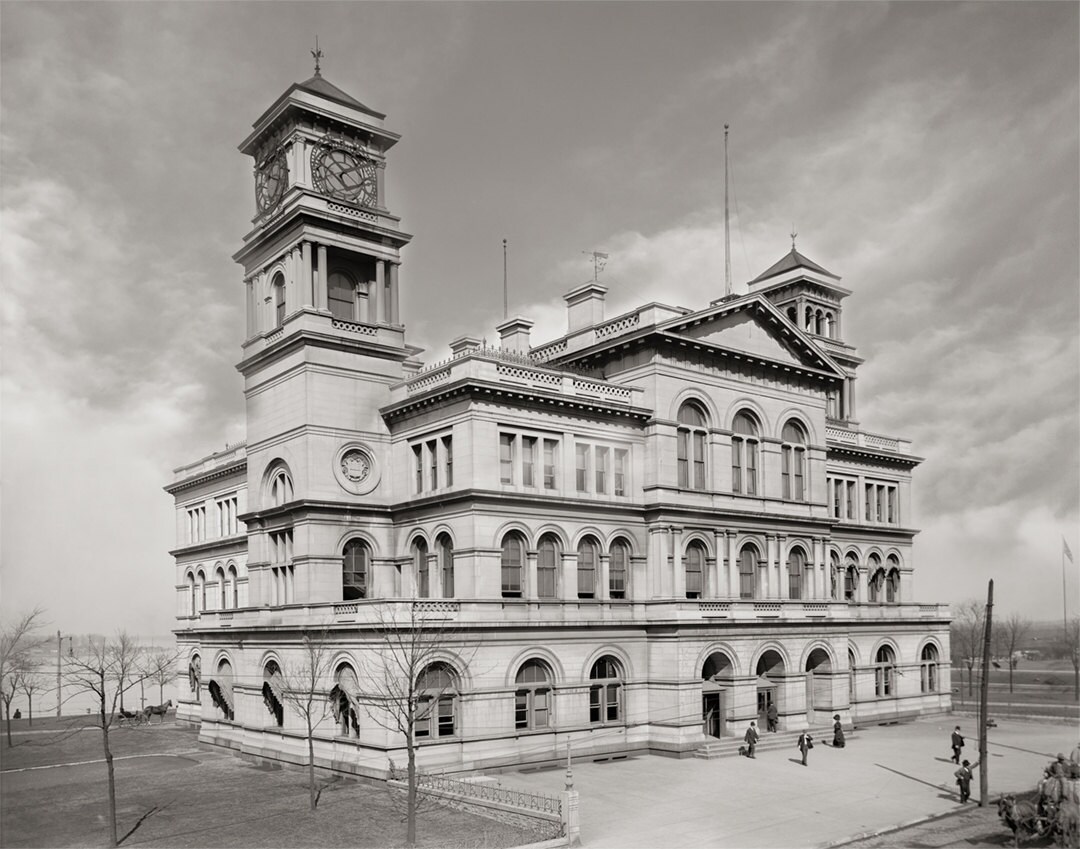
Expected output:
(633, 537)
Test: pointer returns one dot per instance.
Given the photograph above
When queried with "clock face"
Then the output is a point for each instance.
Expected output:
(271, 178)
(343, 171)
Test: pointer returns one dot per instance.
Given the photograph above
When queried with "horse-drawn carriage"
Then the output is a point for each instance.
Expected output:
(143, 717)
(1052, 811)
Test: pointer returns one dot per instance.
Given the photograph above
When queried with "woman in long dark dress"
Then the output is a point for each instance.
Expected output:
(838, 732)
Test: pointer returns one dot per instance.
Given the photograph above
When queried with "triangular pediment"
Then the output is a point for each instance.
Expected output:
(756, 329)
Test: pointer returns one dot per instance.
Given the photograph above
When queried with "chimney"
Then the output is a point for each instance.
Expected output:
(585, 306)
(462, 344)
(514, 334)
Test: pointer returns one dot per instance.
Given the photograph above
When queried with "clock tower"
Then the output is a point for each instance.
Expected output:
(324, 336)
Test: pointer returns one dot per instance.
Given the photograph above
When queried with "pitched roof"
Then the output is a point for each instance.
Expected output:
(791, 261)
(321, 86)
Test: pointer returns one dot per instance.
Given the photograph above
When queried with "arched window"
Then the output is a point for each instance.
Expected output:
(892, 580)
(830, 325)
(691, 448)
(876, 584)
(446, 564)
(532, 700)
(851, 676)
(744, 455)
(513, 560)
(619, 569)
(928, 662)
(793, 314)
(354, 570)
(345, 701)
(221, 588)
(851, 578)
(420, 563)
(281, 488)
(234, 591)
(221, 689)
(694, 565)
(588, 556)
(201, 591)
(193, 607)
(547, 567)
(341, 296)
(436, 702)
(793, 462)
(809, 319)
(195, 676)
(796, 564)
(836, 576)
(748, 560)
(278, 287)
(605, 690)
(273, 692)
(884, 672)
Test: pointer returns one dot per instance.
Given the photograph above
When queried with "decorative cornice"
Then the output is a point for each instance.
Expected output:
(203, 477)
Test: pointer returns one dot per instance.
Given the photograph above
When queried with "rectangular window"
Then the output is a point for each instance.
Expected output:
(506, 458)
(433, 462)
(684, 459)
(586, 572)
(880, 503)
(418, 468)
(581, 464)
(528, 461)
(422, 722)
(869, 501)
(448, 460)
(851, 511)
(596, 693)
(621, 458)
(699, 460)
(602, 469)
(521, 709)
(751, 468)
(612, 702)
(550, 463)
(799, 459)
(693, 579)
(893, 515)
(736, 465)
(446, 716)
(785, 472)
(834, 497)
(540, 709)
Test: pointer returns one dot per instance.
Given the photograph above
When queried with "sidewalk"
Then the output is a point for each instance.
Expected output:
(886, 776)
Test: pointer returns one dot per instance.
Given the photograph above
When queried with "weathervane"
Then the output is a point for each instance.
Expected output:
(599, 260)
(793, 235)
(318, 54)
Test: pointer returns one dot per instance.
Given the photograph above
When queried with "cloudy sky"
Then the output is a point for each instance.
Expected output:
(926, 152)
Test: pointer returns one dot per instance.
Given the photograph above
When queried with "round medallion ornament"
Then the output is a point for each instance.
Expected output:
(271, 179)
(344, 171)
(355, 468)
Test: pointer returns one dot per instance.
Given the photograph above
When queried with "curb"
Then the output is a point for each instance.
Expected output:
(866, 835)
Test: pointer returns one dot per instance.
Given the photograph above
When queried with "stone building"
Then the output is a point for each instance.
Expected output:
(637, 536)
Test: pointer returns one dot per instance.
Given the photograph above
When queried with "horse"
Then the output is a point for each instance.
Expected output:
(1021, 817)
(1067, 824)
(157, 710)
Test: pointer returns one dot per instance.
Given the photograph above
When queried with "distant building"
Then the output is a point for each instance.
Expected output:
(646, 531)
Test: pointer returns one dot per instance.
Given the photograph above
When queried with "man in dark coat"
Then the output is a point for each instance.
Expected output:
(805, 744)
(963, 778)
(837, 732)
(957, 744)
(751, 739)
(772, 714)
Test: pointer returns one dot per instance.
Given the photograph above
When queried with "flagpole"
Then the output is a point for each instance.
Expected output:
(1064, 603)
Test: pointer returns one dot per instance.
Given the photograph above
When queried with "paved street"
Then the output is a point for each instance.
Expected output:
(886, 776)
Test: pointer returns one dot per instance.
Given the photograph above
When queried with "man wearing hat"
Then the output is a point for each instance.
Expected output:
(751, 739)
(963, 778)
(837, 732)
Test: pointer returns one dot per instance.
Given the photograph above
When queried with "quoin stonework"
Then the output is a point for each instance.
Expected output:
(642, 533)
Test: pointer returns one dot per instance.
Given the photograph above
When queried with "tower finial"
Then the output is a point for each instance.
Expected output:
(794, 233)
(318, 54)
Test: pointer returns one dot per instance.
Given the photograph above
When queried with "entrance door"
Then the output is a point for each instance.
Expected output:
(765, 697)
(711, 714)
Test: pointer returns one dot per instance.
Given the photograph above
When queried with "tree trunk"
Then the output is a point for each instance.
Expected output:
(1076, 682)
(410, 828)
(1010, 675)
(29, 709)
(161, 692)
(311, 762)
(7, 705)
(109, 767)
(971, 679)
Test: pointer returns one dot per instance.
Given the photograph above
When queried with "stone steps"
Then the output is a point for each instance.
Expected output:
(724, 747)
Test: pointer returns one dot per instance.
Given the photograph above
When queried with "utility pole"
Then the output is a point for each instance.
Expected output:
(984, 780)
(59, 651)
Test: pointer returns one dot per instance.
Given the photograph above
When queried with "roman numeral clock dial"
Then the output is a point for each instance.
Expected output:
(343, 171)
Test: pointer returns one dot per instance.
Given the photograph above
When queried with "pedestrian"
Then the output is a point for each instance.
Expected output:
(772, 714)
(805, 744)
(751, 739)
(963, 778)
(957, 744)
(18, 714)
(837, 732)
(1074, 756)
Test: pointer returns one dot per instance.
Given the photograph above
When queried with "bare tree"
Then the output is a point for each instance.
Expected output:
(1010, 634)
(32, 682)
(160, 667)
(405, 681)
(17, 643)
(1072, 651)
(966, 637)
(106, 669)
(303, 687)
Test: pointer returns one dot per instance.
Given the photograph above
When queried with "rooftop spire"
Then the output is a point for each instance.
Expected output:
(794, 233)
(318, 54)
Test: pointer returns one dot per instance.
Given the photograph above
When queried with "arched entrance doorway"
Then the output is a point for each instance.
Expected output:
(818, 686)
(717, 688)
(770, 673)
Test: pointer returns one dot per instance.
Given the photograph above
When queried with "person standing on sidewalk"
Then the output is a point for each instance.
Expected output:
(805, 744)
(837, 732)
(751, 739)
(772, 715)
(963, 778)
(957, 744)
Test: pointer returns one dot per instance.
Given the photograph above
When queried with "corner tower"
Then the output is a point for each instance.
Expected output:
(324, 334)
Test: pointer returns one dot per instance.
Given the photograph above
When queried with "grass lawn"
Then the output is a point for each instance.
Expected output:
(174, 794)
